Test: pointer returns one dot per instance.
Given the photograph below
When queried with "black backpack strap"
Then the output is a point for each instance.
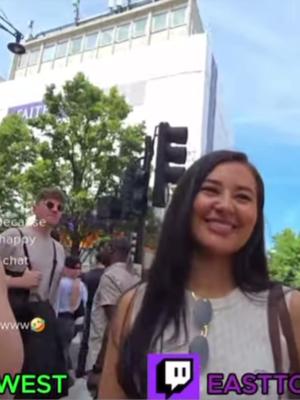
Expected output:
(53, 265)
(25, 250)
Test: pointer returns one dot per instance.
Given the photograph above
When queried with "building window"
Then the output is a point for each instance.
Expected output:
(61, 49)
(139, 27)
(107, 37)
(22, 61)
(48, 53)
(159, 22)
(123, 33)
(75, 46)
(90, 41)
(178, 17)
(33, 57)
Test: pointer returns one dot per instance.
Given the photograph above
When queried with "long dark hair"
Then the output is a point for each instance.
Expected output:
(164, 300)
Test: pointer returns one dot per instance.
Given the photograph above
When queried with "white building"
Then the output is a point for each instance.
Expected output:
(156, 52)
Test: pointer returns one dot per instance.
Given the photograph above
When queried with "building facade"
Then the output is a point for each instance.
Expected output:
(156, 52)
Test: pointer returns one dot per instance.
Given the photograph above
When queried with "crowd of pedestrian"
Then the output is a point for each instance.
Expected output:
(39, 281)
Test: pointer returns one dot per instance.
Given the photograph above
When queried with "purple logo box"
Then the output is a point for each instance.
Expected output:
(173, 376)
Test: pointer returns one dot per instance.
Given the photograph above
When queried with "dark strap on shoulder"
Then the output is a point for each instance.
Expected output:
(288, 332)
(54, 264)
(274, 327)
(25, 250)
(278, 311)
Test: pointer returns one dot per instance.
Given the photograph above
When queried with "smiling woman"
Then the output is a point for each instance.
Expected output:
(225, 209)
(209, 290)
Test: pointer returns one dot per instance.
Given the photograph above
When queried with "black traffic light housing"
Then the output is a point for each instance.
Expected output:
(134, 192)
(167, 153)
(140, 192)
(135, 183)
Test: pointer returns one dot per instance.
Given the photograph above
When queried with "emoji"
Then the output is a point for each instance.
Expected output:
(37, 325)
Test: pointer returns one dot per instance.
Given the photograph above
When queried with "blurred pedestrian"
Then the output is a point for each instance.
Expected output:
(91, 279)
(72, 293)
(116, 280)
(33, 262)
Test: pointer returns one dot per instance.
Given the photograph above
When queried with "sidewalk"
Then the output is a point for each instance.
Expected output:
(78, 391)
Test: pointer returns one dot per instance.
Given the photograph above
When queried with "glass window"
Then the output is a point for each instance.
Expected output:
(178, 17)
(90, 41)
(159, 22)
(61, 49)
(22, 61)
(48, 53)
(107, 37)
(75, 46)
(33, 57)
(139, 27)
(123, 33)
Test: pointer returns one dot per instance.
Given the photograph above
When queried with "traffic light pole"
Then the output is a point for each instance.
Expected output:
(149, 144)
(140, 239)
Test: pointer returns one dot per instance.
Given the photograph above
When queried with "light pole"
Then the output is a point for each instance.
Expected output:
(15, 47)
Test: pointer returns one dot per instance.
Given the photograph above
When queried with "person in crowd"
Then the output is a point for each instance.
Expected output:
(116, 279)
(209, 290)
(42, 250)
(91, 279)
(11, 346)
(33, 262)
(71, 294)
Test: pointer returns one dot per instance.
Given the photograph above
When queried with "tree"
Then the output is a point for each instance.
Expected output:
(82, 144)
(284, 258)
(17, 151)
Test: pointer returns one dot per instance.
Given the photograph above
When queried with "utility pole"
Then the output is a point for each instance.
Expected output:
(76, 5)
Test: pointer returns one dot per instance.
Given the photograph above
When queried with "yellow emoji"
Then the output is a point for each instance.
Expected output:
(37, 325)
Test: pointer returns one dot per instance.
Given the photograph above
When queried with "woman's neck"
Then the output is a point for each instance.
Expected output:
(211, 275)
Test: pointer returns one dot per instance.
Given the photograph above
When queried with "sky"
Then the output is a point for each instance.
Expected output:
(256, 46)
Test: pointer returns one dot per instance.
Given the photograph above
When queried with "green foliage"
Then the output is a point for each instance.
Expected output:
(17, 151)
(284, 258)
(82, 144)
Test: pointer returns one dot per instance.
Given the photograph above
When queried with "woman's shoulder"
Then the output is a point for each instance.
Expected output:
(132, 296)
(126, 311)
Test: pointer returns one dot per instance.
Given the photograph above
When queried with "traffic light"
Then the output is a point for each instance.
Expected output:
(108, 207)
(167, 153)
(140, 192)
(134, 192)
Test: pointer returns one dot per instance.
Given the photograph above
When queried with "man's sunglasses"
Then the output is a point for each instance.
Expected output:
(50, 205)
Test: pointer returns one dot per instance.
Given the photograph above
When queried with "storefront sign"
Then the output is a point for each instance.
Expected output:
(30, 110)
